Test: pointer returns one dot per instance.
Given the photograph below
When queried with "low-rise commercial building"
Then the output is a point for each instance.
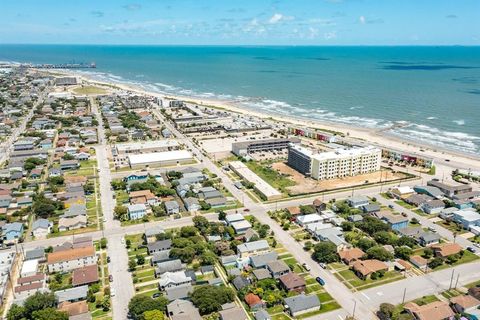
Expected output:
(158, 159)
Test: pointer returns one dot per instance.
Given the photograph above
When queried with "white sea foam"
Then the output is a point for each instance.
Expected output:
(460, 122)
(432, 118)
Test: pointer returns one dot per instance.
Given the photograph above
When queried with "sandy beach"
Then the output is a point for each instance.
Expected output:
(374, 137)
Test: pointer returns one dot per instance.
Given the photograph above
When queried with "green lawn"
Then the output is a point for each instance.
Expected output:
(404, 204)
(361, 284)
(271, 176)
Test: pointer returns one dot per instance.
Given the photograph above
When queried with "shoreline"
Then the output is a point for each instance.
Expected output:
(380, 138)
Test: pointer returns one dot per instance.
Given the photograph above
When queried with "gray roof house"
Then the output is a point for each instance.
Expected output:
(160, 256)
(182, 310)
(428, 238)
(168, 266)
(35, 254)
(301, 304)
(72, 294)
(180, 292)
(261, 260)
(262, 314)
(278, 268)
(158, 246)
(172, 207)
(240, 282)
(261, 274)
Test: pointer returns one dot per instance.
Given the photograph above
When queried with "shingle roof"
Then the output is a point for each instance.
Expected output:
(302, 302)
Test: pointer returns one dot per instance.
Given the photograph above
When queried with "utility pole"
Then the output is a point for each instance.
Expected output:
(456, 282)
(451, 280)
(354, 307)
(404, 294)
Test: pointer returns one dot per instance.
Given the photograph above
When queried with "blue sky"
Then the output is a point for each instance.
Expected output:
(246, 22)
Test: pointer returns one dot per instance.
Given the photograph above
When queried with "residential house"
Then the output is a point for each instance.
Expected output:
(168, 266)
(396, 222)
(358, 201)
(241, 227)
(370, 208)
(261, 274)
(427, 238)
(302, 304)
(364, 268)
(233, 313)
(5, 200)
(262, 314)
(136, 211)
(437, 310)
(431, 191)
(12, 232)
(278, 268)
(254, 301)
(350, 255)
(69, 164)
(72, 294)
(319, 205)
(402, 192)
(172, 207)
(69, 259)
(418, 200)
(444, 250)
(173, 279)
(159, 246)
(76, 310)
(192, 204)
(41, 228)
(292, 282)
(433, 206)
(465, 304)
(240, 282)
(152, 233)
(419, 262)
(467, 218)
(410, 231)
(73, 223)
(253, 248)
(182, 310)
(145, 197)
(261, 260)
(85, 275)
(180, 292)
(303, 220)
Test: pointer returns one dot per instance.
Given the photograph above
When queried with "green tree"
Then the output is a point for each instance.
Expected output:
(209, 298)
(403, 253)
(347, 226)
(379, 253)
(103, 243)
(49, 314)
(384, 237)
(138, 305)
(366, 243)
(188, 231)
(153, 315)
(16, 312)
(140, 259)
(387, 310)
(120, 212)
(221, 215)
(372, 225)
(132, 264)
(406, 241)
(435, 262)
(427, 253)
(39, 301)
(307, 209)
(326, 252)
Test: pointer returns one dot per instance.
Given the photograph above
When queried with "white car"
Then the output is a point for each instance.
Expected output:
(306, 267)
(112, 292)
(123, 240)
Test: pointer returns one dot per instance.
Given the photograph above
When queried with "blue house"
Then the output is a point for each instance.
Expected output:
(136, 211)
(12, 231)
(396, 222)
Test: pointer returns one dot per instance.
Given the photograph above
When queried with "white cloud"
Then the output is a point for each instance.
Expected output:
(330, 35)
(362, 19)
(278, 17)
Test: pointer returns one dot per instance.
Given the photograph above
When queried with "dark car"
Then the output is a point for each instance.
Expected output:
(471, 249)
(108, 259)
(156, 295)
(110, 278)
(320, 281)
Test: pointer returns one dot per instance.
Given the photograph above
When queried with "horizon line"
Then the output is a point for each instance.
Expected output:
(239, 45)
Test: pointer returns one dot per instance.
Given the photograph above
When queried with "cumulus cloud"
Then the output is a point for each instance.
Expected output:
(278, 17)
(362, 19)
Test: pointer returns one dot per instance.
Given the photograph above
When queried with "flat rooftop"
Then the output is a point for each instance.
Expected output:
(147, 145)
(260, 184)
(337, 153)
(159, 157)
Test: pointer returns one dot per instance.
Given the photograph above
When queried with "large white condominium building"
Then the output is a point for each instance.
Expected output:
(335, 164)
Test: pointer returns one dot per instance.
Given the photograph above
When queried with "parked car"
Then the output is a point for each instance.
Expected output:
(432, 229)
(306, 267)
(320, 281)
(323, 265)
(472, 249)
(390, 206)
(246, 210)
(156, 295)
(110, 278)
(108, 259)
(404, 214)
(112, 292)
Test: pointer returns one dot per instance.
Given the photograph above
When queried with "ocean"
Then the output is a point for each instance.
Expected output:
(429, 94)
